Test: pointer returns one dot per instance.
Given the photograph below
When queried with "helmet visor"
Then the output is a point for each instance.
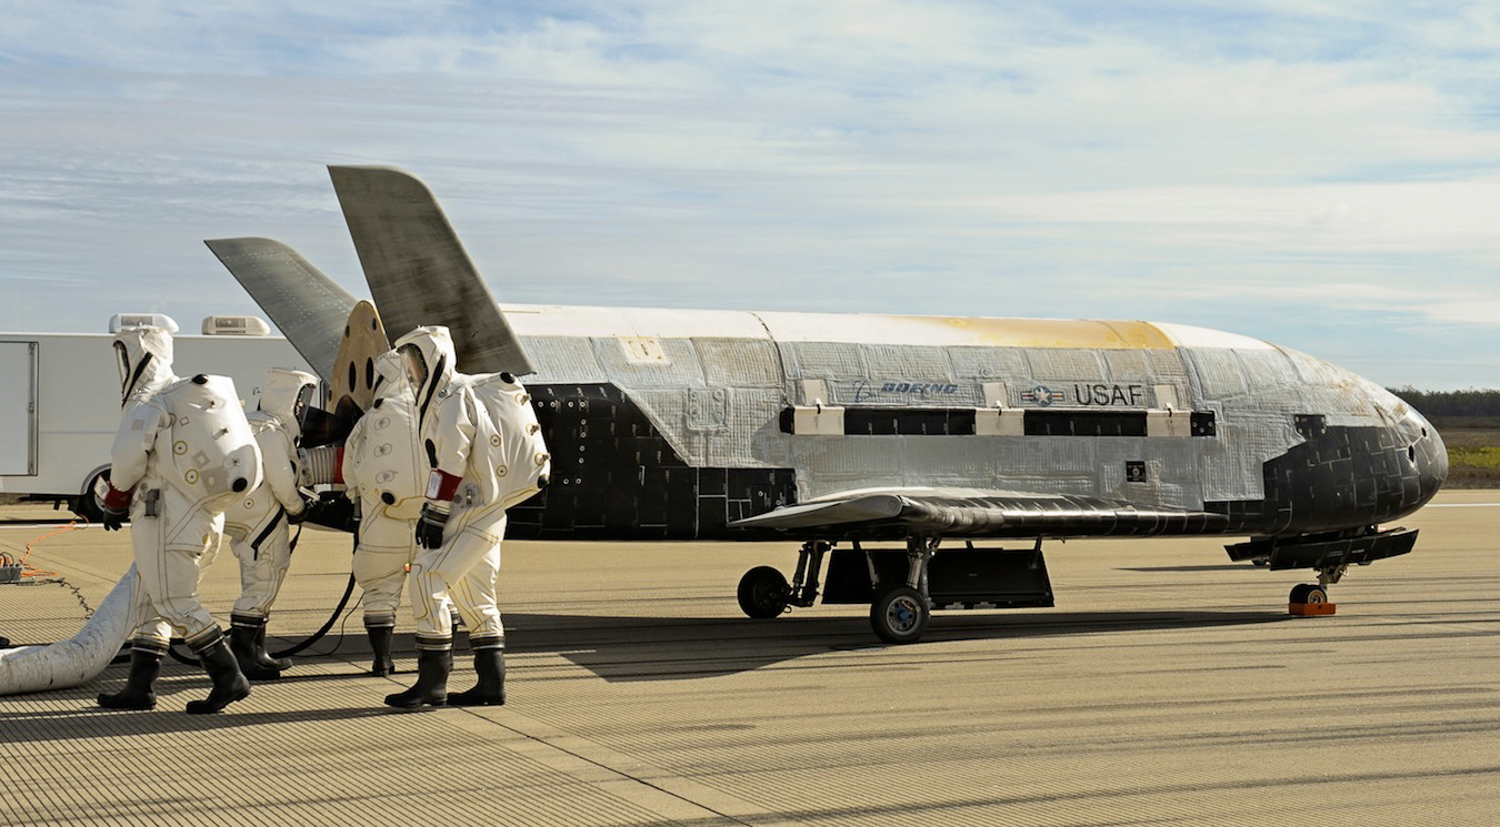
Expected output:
(415, 364)
(307, 396)
(122, 361)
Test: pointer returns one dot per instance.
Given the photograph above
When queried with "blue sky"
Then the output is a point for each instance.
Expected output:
(1322, 175)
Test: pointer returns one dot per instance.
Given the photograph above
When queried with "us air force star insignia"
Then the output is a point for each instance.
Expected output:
(1041, 395)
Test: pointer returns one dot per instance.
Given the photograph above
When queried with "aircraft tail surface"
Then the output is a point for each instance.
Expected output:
(306, 304)
(418, 271)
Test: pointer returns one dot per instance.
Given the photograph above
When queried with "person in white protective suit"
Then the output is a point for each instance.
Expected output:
(486, 453)
(171, 474)
(257, 523)
(386, 476)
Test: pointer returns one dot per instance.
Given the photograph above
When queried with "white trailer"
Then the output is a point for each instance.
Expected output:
(60, 399)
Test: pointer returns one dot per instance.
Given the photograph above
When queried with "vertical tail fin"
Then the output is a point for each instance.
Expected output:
(417, 269)
(303, 302)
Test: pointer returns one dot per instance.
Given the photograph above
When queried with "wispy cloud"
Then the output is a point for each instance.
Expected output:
(1320, 173)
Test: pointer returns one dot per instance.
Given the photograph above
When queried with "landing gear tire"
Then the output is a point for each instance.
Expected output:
(763, 592)
(1308, 593)
(900, 615)
(85, 505)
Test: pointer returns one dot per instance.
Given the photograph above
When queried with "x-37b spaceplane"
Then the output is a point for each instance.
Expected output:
(919, 461)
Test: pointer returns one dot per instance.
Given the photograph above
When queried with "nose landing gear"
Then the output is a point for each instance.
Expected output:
(1305, 593)
(1309, 600)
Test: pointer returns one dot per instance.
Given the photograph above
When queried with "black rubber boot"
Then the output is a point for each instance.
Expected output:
(380, 648)
(281, 664)
(145, 665)
(434, 662)
(489, 664)
(247, 635)
(229, 684)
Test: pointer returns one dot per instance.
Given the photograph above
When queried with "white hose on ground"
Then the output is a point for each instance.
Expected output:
(80, 658)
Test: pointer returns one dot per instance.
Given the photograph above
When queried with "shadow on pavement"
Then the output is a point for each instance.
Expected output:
(655, 649)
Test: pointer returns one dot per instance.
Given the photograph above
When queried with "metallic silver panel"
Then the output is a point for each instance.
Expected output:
(1064, 363)
(1220, 376)
(677, 369)
(1266, 370)
(1346, 399)
(564, 359)
(821, 360)
(1165, 363)
(739, 363)
(988, 364)
(718, 402)
(1128, 366)
(911, 364)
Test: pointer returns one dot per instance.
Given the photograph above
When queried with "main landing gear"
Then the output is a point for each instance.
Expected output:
(899, 611)
(900, 615)
(1308, 600)
(764, 592)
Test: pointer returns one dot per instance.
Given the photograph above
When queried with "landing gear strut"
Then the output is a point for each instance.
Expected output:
(764, 592)
(900, 612)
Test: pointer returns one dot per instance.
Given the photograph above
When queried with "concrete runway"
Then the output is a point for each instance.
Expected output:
(1168, 686)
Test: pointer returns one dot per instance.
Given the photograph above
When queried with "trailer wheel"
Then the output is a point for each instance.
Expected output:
(84, 505)
(900, 615)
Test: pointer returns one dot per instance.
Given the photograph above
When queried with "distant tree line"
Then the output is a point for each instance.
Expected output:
(1471, 402)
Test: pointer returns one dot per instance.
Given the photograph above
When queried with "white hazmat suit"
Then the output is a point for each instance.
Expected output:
(486, 453)
(257, 522)
(386, 475)
(183, 450)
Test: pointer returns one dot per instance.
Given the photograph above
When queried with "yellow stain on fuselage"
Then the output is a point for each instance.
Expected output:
(1059, 333)
(848, 328)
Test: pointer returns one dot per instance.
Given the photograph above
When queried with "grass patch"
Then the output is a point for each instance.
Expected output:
(1444, 424)
(1487, 457)
(1473, 451)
